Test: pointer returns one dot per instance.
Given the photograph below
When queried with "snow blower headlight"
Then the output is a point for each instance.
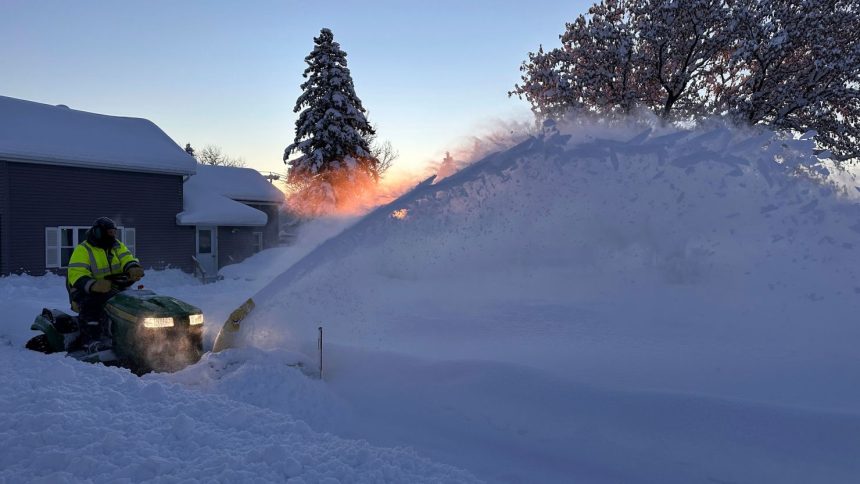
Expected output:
(157, 322)
(195, 319)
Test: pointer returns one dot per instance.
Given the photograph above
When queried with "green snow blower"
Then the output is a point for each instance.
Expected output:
(139, 330)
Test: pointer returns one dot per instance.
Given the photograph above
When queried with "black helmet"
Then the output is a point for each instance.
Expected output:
(101, 226)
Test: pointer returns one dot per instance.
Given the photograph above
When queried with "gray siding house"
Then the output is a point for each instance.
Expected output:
(235, 214)
(60, 169)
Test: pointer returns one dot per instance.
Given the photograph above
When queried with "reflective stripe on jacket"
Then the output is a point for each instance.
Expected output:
(92, 262)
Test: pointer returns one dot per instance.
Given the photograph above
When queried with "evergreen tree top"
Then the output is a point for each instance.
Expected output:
(332, 131)
(326, 37)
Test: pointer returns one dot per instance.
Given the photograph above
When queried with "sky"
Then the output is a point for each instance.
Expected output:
(430, 74)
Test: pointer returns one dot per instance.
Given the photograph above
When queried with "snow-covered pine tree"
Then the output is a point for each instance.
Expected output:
(332, 132)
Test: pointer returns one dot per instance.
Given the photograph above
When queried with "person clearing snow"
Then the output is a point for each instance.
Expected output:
(136, 329)
(92, 262)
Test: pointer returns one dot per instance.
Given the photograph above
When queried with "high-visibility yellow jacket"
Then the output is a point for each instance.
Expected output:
(90, 263)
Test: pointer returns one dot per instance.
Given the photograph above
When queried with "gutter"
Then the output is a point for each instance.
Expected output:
(95, 164)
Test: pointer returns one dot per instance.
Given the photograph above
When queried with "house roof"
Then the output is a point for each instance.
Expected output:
(215, 194)
(40, 133)
(244, 184)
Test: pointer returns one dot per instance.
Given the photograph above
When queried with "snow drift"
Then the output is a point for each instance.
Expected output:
(126, 429)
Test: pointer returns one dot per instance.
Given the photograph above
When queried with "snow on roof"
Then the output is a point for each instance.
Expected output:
(244, 184)
(40, 133)
(211, 197)
(204, 208)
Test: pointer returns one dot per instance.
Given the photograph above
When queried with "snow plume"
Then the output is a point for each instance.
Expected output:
(500, 135)
(344, 196)
(589, 221)
(707, 264)
(847, 178)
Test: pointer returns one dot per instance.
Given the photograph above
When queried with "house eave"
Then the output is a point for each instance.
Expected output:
(94, 164)
(258, 202)
(218, 224)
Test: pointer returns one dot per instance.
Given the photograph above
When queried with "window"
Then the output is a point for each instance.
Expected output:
(60, 242)
(70, 237)
(204, 241)
(258, 241)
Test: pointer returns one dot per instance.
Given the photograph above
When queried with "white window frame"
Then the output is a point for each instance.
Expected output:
(54, 249)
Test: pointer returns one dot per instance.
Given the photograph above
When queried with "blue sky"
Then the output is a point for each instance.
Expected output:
(228, 73)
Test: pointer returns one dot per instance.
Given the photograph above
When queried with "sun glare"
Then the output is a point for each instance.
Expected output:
(400, 214)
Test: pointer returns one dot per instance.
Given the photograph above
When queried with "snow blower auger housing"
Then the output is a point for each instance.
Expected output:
(140, 330)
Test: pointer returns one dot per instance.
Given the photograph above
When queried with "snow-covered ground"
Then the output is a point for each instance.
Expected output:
(623, 303)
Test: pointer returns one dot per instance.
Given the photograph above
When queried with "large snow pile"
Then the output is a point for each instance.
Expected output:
(693, 262)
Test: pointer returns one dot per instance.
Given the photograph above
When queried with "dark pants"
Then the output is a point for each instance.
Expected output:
(90, 310)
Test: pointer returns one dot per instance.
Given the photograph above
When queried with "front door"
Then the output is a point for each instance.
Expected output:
(207, 249)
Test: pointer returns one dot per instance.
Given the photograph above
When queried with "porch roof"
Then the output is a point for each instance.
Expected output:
(212, 197)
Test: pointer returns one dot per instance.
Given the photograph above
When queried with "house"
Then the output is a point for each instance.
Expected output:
(234, 212)
(61, 168)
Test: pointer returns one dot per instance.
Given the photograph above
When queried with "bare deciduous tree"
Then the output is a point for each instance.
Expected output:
(602, 59)
(680, 41)
(796, 66)
(212, 155)
(383, 151)
(545, 84)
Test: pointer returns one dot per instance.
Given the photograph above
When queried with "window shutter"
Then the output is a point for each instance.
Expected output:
(52, 247)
